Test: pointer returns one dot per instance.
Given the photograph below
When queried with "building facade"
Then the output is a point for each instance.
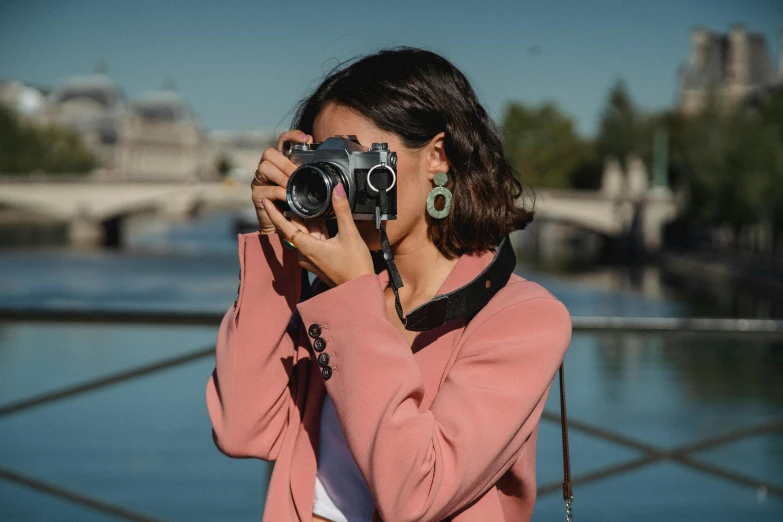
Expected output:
(731, 67)
(154, 136)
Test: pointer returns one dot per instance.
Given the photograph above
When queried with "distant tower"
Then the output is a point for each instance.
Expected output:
(734, 67)
(694, 81)
(737, 81)
(699, 40)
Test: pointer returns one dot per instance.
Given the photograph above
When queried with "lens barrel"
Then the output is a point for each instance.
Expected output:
(309, 189)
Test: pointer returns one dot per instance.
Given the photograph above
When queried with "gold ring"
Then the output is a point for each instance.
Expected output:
(257, 180)
(290, 242)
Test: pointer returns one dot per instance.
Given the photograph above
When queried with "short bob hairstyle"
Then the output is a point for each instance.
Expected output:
(417, 94)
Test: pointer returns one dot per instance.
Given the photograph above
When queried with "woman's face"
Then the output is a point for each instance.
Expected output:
(413, 179)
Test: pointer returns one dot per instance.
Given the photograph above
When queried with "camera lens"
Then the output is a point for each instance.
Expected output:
(309, 189)
(314, 192)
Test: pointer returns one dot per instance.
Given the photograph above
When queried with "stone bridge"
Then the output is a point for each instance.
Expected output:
(95, 210)
(612, 216)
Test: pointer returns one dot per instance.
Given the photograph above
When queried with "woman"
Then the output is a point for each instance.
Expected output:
(390, 424)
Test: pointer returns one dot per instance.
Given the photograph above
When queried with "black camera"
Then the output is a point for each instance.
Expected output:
(321, 166)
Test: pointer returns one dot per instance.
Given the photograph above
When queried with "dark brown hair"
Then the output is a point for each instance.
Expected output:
(417, 94)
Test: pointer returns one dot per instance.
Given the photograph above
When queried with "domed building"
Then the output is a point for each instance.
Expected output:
(162, 138)
(154, 136)
(94, 106)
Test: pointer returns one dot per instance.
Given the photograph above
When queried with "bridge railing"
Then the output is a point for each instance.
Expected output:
(650, 454)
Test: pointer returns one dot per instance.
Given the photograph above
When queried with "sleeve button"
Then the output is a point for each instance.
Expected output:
(323, 360)
(314, 330)
(326, 372)
(319, 344)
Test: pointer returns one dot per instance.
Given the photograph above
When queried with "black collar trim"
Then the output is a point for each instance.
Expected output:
(466, 300)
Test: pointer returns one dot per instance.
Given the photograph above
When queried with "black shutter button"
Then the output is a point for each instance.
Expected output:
(314, 330)
(319, 344)
(326, 372)
(323, 359)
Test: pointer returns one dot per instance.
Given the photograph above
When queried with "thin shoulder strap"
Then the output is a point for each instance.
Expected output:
(568, 495)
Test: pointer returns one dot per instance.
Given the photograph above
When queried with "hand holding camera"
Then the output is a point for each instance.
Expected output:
(338, 179)
(272, 175)
(341, 159)
(335, 260)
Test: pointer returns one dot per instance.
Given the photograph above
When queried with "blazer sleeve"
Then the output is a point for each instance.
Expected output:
(428, 464)
(251, 390)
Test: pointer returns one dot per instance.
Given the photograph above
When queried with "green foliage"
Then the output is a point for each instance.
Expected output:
(731, 162)
(24, 148)
(622, 130)
(542, 145)
(224, 166)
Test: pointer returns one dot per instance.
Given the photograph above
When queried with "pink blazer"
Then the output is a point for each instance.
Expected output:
(446, 428)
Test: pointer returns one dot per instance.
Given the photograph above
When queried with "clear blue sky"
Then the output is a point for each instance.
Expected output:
(242, 65)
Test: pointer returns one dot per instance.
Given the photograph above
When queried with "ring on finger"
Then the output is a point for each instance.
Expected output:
(290, 242)
(257, 180)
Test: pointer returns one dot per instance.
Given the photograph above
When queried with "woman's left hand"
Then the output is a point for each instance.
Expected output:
(334, 260)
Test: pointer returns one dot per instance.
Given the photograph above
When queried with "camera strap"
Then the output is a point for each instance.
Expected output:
(466, 300)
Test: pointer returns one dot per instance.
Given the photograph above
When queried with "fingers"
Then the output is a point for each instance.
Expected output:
(322, 228)
(293, 135)
(262, 192)
(342, 211)
(275, 159)
(274, 165)
(272, 172)
(313, 226)
(286, 228)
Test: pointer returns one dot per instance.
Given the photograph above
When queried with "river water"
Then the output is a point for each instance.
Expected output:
(145, 445)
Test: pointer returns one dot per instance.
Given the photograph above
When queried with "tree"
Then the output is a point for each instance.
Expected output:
(622, 129)
(730, 161)
(771, 121)
(224, 165)
(25, 148)
(542, 145)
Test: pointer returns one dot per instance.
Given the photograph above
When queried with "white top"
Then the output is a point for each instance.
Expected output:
(341, 494)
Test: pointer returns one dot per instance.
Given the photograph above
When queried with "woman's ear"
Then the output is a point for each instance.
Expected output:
(435, 156)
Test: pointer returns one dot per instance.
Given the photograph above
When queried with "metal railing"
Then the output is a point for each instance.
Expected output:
(760, 328)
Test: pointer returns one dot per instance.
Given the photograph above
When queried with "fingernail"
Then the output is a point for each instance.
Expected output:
(303, 135)
(263, 204)
(339, 190)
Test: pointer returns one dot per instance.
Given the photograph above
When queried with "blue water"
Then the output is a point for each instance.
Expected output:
(145, 444)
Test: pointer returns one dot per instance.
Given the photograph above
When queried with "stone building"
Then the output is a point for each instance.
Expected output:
(161, 138)
(732, 67)
(94, 106)
(154, 136)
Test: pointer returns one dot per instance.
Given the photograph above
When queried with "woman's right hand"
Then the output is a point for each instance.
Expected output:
(271, 177)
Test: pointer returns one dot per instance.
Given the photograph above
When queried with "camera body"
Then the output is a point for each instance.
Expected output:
(321, 166)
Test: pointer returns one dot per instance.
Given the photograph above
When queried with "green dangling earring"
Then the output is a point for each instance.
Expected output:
(441, 178)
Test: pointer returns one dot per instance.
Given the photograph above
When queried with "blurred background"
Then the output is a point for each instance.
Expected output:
(651, 132)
